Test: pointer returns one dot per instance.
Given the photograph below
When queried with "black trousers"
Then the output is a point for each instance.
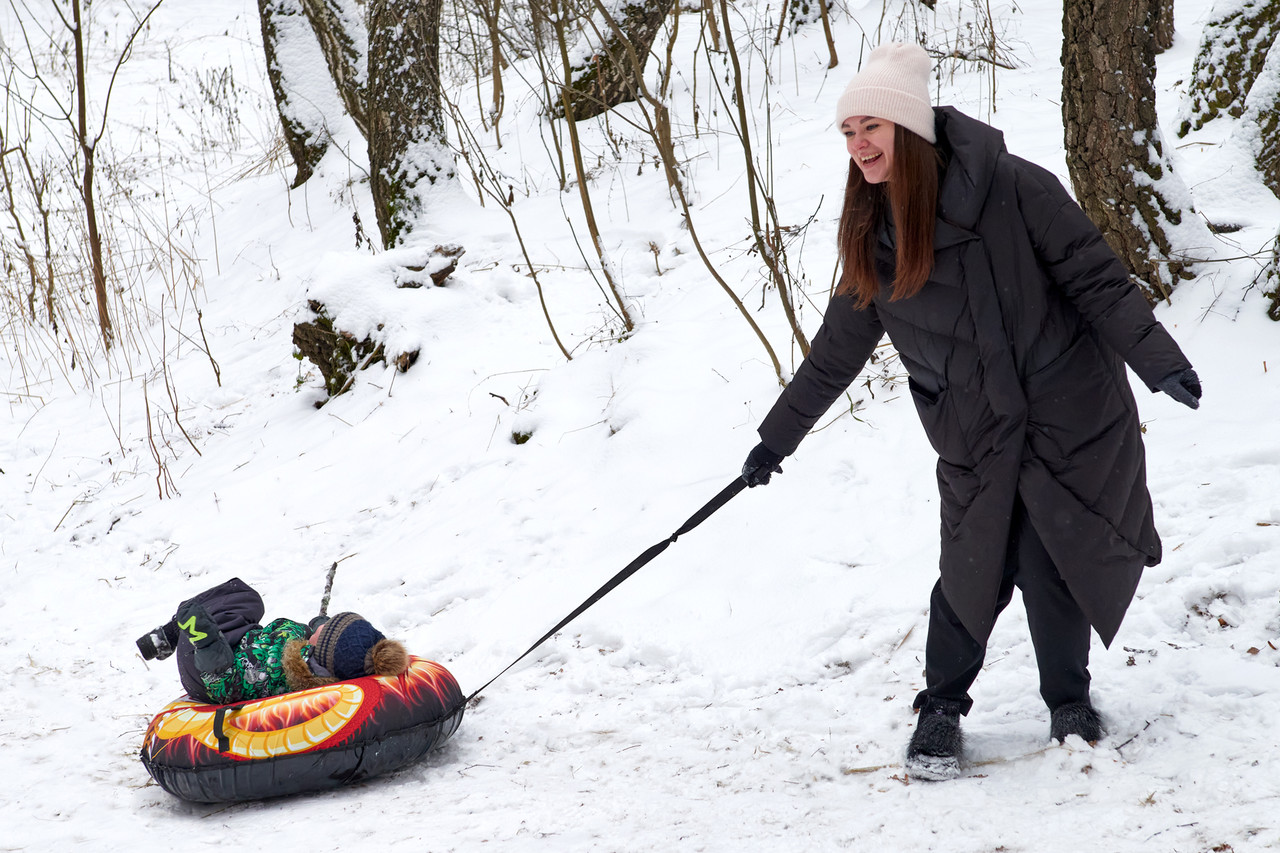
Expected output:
(235, 607)
(1059, 630)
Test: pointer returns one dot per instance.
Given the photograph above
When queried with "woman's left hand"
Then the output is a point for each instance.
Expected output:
(1183, 386)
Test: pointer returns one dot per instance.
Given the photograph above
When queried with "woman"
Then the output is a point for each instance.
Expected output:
(1014, 321)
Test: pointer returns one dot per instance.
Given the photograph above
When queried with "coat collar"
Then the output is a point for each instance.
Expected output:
(297, 671)
(972, 149)
(946, 235)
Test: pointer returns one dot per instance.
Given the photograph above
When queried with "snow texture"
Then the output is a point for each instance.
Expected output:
(751, 688)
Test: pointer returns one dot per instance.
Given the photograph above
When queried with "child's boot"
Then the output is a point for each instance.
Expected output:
(159, 643)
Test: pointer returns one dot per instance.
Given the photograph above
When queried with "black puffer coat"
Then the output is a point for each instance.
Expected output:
(1015, 349)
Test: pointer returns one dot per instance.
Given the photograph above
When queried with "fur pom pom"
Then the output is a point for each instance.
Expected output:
(387, 657)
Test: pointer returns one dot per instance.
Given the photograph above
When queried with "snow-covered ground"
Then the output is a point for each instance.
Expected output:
(751, 688)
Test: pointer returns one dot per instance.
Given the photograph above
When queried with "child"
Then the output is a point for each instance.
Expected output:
(225, 655)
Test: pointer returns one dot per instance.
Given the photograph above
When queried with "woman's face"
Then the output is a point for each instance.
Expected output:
(870, 143)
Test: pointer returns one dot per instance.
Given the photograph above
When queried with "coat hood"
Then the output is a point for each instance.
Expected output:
(297, 671)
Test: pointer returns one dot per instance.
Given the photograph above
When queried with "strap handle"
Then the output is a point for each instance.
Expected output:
(219, 732)
(726, 494)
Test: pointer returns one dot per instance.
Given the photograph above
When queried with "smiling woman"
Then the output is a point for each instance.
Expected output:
(1014, 320)
(870, 143)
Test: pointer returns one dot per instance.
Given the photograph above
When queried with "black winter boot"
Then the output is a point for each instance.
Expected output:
(937, 744)
(1076, 718)
(159, 643)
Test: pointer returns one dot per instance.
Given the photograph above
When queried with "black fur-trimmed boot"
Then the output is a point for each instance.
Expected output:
(937, 745)
(1076, 718)
(159, 643)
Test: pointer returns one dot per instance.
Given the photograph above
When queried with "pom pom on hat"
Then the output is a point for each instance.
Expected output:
(350, 647)
(893, 85)
(387, 657)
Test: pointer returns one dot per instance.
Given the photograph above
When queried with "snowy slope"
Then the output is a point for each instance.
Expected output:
(751, 688)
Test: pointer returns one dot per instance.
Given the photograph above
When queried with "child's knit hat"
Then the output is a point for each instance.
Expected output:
(350, 647)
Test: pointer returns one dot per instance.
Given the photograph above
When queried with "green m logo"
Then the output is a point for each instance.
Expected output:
(190, 627)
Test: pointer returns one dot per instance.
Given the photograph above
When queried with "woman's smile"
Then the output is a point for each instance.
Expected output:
(869, 141)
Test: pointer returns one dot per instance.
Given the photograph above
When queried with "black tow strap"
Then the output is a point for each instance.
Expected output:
(219, 732)
(726, 494)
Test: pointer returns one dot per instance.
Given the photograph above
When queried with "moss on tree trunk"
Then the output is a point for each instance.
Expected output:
(408, 149)
(1233, 49)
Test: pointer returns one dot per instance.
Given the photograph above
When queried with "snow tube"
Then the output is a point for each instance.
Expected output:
(310, 740)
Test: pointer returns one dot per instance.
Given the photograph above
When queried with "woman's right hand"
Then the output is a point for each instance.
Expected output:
(762, 463)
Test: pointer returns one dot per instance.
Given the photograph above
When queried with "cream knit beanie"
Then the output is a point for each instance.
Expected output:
(893, 85)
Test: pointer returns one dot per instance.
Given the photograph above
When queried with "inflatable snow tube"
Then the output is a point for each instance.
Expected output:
(310, 740)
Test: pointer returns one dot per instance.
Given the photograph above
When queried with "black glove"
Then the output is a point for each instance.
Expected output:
(762, 463)
(315, 623)
(1183, 386)
(213, 652)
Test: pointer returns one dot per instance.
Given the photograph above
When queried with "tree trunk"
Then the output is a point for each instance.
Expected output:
(1273, 276)
(608, 77)
(1115, 151)
(1261, 119)
(490, 11)
(337, 353)
(339, 27)
(407, 143)
(826, 31)
(1233, 48)
(797, 14)
(709, 20)
(558, 19)
(301, 121)
(86, 183)
(1164, 25)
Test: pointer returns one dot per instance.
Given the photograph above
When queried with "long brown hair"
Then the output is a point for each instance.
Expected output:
(910, 195)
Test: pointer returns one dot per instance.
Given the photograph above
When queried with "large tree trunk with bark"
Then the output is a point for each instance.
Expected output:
(608, 77)
(1233, 49)
(284, 25)
(1164, 25)
(1261, 119)
(408, 150)
(1115, 151)
(339, 26)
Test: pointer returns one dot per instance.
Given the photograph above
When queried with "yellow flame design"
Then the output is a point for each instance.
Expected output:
(183, 718)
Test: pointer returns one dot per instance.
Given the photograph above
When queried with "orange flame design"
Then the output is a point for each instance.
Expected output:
(297, 722)
(424, 679)
(280, 725)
